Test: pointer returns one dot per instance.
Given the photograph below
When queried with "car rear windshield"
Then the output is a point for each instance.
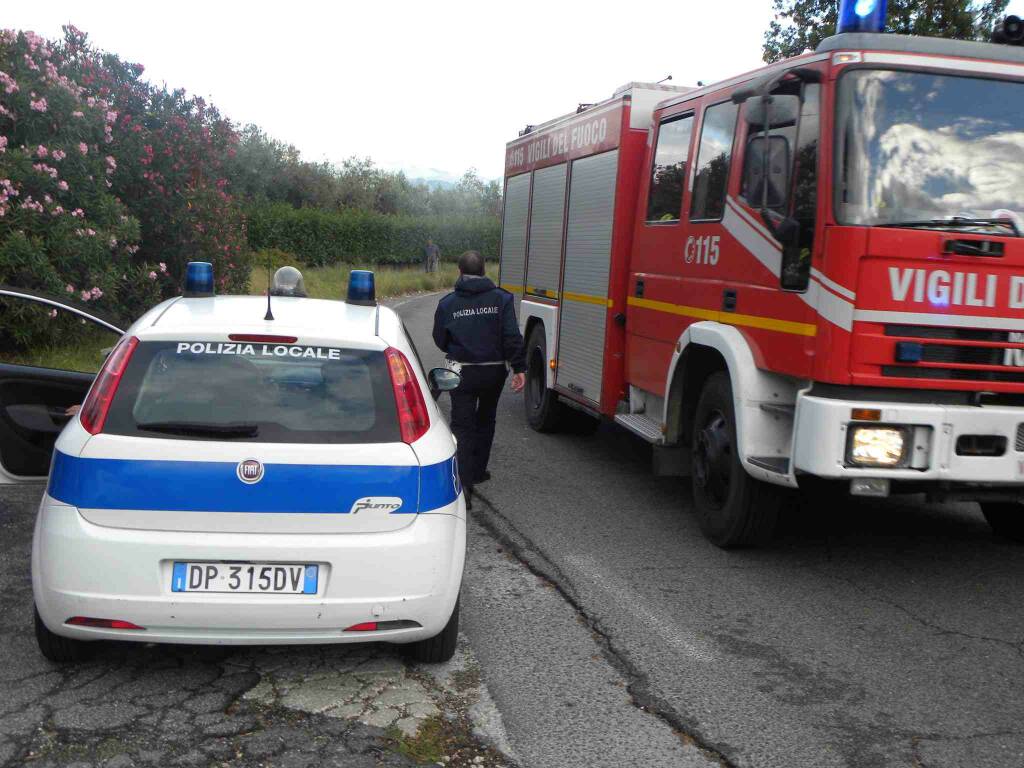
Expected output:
(263, 393)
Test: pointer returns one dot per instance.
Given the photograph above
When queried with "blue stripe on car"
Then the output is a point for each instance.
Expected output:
(213, 486)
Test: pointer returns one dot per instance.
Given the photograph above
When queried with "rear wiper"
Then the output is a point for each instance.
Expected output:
(201, 429)
(957, 222)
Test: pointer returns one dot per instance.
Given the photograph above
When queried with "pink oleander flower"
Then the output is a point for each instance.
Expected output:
(90, 232)
(83, 147)
(78, 113)
(152, 275)
(78, 213)
(38, 105)
(47, 199)
(111, 117)
(58, 154)
(69, 288)
(3, 144)
(41, 151)
(96, 293)
(57, 212)
(113, 242)
(163, 267)
(85, 295)
(91, 101)
(8, 83)
(62, 185)
(52, 313)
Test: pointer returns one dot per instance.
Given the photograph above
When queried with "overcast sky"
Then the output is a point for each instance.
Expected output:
(413, 85)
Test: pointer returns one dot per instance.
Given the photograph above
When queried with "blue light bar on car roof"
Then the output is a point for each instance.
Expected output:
(198, 279)
(862, 15)
(361, 288)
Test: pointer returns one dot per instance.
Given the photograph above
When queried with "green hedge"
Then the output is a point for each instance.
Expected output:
(320, 237)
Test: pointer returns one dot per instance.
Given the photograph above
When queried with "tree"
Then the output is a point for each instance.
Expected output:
(799, 25)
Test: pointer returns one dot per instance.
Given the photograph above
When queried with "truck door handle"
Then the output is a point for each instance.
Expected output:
(729, 300)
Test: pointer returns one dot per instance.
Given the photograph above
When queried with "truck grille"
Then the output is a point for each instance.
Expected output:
(1018, 444)
(951, 356)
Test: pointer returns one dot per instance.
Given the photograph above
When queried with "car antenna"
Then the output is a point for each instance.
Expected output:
(270, 280)
(664, 80)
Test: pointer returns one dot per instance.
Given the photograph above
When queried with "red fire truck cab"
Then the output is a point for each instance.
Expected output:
(811, 273)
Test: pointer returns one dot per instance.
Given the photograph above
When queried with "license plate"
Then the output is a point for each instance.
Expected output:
(268, 578)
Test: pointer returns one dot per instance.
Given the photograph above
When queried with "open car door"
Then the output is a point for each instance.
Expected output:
(38, 385)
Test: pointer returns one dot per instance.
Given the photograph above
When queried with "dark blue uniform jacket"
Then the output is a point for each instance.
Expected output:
(477, 324)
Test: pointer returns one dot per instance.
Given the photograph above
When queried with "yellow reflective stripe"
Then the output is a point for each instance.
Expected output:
(512, 288)
(586, 298)
(729, 318)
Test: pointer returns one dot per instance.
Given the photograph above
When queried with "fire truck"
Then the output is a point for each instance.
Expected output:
(806, 276)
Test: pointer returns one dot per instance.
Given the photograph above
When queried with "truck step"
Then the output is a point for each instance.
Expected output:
(642, 425)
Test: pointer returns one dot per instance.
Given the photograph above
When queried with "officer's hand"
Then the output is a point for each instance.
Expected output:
(518, 382)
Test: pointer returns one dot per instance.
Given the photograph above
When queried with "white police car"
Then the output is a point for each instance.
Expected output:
(236, 479)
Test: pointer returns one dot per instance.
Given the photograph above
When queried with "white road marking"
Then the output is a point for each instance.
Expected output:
(628, 599)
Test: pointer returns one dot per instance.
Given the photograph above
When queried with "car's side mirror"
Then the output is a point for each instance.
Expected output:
(442, 380)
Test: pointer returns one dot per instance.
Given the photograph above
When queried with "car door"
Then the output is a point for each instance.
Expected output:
(40, 381)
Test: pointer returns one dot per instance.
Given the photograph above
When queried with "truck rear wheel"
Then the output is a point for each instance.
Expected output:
(1006, 519)
(543, 410)
(733, 509)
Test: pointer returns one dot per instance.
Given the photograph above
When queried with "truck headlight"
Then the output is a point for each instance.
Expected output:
(876, 446)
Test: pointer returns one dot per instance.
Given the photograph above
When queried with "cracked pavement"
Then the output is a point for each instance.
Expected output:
(139, 705)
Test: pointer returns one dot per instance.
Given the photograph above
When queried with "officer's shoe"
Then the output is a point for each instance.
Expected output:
(469, 497)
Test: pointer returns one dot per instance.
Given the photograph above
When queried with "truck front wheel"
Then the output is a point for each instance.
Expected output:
(543, 410)
(1006, 519)
(733, 509)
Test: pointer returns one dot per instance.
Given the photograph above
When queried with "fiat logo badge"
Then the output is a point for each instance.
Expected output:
(250, 471)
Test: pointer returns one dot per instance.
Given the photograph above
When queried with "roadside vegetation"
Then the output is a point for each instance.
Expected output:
(110, 184)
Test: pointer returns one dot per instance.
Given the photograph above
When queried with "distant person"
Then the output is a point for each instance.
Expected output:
(431, 256)
(475, 326)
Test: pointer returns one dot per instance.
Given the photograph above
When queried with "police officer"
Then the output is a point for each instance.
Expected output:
(475, 326)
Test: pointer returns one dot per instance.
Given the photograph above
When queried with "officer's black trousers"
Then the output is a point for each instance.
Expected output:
(474, 404)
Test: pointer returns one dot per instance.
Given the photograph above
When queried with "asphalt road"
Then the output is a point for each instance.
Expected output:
(870, 634)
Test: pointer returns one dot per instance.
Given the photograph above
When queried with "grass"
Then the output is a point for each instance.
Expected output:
(332, 282)
(86, 354)
(428, 745)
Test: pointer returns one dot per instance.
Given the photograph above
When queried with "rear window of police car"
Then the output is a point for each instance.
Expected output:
(255, 393)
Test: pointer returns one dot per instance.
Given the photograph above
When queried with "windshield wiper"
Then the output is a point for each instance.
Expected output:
(201, 429)
(957, 222)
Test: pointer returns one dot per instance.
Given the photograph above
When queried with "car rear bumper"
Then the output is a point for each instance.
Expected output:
(822, 425)
(82, 569)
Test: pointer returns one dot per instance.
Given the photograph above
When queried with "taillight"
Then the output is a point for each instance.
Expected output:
(94, 409)
(413, 420)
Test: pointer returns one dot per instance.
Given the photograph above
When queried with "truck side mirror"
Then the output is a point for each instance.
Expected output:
(785, 229)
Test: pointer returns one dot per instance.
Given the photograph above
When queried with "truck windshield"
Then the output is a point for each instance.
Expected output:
(915, 148)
